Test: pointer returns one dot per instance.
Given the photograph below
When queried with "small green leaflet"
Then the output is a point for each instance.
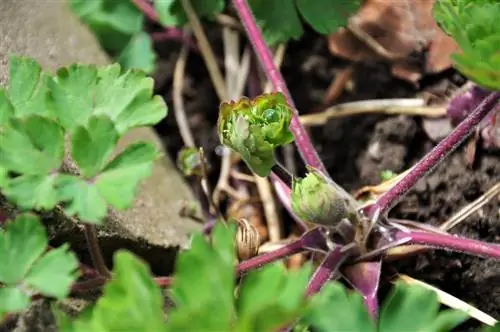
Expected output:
(204, 279)
(131, 302)
(34, 147)
(27, 269)
(172, 14)
(138, 53)
(407, 308)
(27, 87)
(473, 25)
(115, 184)
(271, 298)
(118, 25)
(280, 19)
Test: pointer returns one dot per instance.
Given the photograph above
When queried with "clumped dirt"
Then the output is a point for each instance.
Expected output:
(356, 149)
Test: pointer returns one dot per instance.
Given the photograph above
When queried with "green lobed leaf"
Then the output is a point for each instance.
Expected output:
(12, 300)
(138, 53)
(119, 180)
(116, 184)
(255, 128)
(54, 273)
(6, 108)
(327, 16)
(80, 91)
(415, 308)
(21, 243)
(93, 144)
(32, 191)
(172, 13)
(205, 278)
(27, 87)
(131, 301)
(26, 270)
(472, 24)
(82, 199)
(113, 22)
(278, 20)
(334, 309)
(32, 145)
(272, 297)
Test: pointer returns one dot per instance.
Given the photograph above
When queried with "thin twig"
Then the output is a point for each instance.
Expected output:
(451, 301)
(178, 100)
(206, 50)
(469, 209)
(270, 211)
(412, 107)
(359, 33)
(236, 76)
(228, 21)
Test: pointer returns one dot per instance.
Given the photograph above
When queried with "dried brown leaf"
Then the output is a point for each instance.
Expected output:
(391, 31)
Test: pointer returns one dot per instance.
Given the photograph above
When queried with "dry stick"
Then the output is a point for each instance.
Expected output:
(179, 110)
(228, 21)
(405, 106)
(235, 79)
(270, 211)
(469, 209)
(206, 50)
(359, 33)
(304, 144)
(451, 301)
(432, 159)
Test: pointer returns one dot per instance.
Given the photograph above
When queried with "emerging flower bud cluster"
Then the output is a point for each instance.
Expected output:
(255, 128)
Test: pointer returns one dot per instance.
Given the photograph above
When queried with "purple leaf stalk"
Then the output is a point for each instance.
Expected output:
(364, 276)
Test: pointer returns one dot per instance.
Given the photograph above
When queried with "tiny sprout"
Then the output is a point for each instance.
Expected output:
(317, 201)
(189, 161)
(255, 127)
(247, 240)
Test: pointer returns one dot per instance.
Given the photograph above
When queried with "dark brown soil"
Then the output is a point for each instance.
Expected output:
(356, 149)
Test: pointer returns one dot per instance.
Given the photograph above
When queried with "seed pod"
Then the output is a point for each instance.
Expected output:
(247, 240)
(317, 201)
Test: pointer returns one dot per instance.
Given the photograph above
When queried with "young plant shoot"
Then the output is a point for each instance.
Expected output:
(58, 141)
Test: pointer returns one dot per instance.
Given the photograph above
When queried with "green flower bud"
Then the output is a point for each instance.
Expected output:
(317, 201)
(255, 128)
(189, 161)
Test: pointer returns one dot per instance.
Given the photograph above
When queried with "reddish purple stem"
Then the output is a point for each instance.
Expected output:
(312, 239)
(169, 33)
(302, 140)
(433, 158)
(148, 10)
(365, 278)
(327, 270)
(452, 242)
